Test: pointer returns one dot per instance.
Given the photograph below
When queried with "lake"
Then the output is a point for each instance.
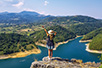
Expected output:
(72, 49)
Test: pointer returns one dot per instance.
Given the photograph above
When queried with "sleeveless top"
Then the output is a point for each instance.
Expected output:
(50, 42)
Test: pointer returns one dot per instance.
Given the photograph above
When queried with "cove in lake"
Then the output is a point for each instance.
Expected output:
(72, 49)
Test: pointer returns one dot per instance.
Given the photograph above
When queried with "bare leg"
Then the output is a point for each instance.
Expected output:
(51, 53)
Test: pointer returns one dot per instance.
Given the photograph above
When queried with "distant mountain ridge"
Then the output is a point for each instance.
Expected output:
(31, 17)
(28, 12)
(22, 17)
(77, 18)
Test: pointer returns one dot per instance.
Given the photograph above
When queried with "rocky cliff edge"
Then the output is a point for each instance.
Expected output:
(57, 62)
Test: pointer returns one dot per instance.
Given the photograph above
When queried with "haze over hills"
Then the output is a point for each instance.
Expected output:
(31, 17)
(68, 19)
(80, 25)
(20, 18)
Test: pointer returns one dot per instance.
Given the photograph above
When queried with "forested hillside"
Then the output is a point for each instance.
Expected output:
(96, 37)
(20, 18)
(96, 43)
(92, 34)
(70, 19)
(80, 25)
(11, 43)
(83, 29)
(62, 34)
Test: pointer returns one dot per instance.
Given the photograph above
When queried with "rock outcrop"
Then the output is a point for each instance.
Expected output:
(57, 62)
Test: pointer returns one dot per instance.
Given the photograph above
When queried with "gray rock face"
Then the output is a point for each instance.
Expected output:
(57, 62)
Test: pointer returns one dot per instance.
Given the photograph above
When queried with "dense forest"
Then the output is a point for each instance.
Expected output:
(92, 34)
(11, 43)
(83, 29)
(80, 25)
(62, 34)
(96, 37)
(96, 43)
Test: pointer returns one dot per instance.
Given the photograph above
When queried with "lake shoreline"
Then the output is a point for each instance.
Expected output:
(57, 44)
(20, 54)
(92, 51)
(33, 51)
(37, 51)
(85, 40)
(87, 47)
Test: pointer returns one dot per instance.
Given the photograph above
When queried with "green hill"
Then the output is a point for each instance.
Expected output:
(85, 28)
(96, 43)
(62, 34)
(92, 34)
(70, 19)
(96, 37)
(21, 18)
(80, 25)
(11, 43)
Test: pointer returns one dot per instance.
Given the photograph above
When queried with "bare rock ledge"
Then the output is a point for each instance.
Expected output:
(57, 62)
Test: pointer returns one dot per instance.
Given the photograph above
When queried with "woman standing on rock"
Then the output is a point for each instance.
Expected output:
(50, 43)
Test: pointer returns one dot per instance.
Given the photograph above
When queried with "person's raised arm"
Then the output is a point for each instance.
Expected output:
(45, 30)
(55, 32)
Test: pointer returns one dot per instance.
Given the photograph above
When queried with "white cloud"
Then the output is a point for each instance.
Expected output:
(18, 4)
(46, 3)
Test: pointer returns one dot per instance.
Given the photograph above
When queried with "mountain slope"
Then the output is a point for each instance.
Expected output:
(29, 13)
(78, 18)
(70, 19)
(82, 29)
(20, 18)
(96, 43)
(96, 37)
(11, 43)
(92, 34)
(62, 34)
(80, 25)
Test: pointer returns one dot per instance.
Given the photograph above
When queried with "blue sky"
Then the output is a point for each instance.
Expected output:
(91, 8)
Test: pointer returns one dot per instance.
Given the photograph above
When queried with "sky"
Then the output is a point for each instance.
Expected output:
(91, 8)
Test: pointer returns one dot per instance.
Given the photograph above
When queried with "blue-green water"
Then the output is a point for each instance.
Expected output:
(72, 49)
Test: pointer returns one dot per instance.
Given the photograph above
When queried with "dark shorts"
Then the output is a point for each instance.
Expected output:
(50, 47)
